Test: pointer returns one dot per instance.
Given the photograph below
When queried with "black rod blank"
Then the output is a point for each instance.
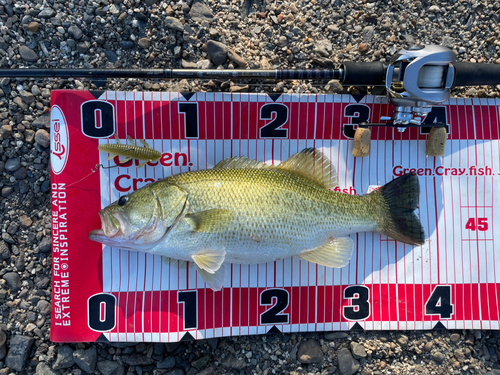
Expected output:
(280, 74)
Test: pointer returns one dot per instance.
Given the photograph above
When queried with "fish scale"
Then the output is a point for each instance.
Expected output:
(288, 215)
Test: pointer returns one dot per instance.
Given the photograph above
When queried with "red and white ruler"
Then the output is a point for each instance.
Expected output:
(108, 293)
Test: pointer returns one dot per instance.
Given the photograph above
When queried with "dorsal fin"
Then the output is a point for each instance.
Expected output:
(313, 165)
(240, 163)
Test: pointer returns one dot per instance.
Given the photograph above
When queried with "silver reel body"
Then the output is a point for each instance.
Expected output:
(416, 80)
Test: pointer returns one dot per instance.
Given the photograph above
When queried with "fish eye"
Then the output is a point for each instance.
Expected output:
(123, 200)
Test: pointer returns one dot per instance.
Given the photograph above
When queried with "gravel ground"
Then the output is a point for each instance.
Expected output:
(250, 33)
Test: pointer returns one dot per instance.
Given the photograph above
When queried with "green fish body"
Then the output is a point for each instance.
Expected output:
(243, 211)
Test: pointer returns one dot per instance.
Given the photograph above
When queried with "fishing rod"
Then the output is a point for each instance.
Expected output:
(415, 80)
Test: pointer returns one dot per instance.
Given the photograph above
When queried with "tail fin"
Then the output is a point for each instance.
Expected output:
(400, 197)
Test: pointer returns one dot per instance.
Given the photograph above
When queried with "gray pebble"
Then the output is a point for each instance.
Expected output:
(35, 90)
(27, 54)
(438, 357)
(46, 188)
(44, 369)
(19, 351)
(358, 350)
(126, 44)
(25, 220)
(200, 12)
(428, 346)
(167, 363)
(110, 368)
(111, 56)
(43, 121)
(4, 250)
(42, 281)
(20, 262)
(173, 23)
(8, 238)
(403, 340)
(347, 364)
(309, 351)
(3, 338)
(213, 343)
(43, 306)
(6, 131)
(188, 65)
(454, 338)
(217, 52)
(42, 137)
(21, 173)
(7, 191)
(45, 245)
(204, 64)
(368, 33)
(86, 359)
(201, 362)
(82, 47)
(13, 281)
(64, 357)
(233, 56)
(144, 43)
(230, 361)
(27, 97)
(47, 13)
(177, 51)
(76, 32)
(12, 165)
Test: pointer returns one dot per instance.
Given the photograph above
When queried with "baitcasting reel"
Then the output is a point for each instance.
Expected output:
(416, 80)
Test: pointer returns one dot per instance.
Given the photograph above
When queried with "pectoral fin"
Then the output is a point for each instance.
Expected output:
(336, 253)
(209, 262)
(214, 280)
(211, 220)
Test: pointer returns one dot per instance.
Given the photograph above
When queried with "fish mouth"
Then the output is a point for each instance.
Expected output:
(111, 228)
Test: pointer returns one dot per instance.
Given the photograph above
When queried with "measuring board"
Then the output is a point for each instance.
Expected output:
(103, 293)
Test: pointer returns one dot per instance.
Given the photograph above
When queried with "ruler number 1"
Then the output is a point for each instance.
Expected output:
(190, 300)
(439, 302)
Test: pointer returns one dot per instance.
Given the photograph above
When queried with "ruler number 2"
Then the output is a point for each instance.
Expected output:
(274, 315)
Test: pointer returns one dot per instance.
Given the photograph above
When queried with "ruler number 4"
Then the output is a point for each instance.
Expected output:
(439, 302)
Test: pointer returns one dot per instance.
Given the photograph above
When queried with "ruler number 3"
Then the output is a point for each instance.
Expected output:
(360, 302)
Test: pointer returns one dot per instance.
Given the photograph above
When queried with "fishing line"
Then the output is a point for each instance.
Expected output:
(95, 169)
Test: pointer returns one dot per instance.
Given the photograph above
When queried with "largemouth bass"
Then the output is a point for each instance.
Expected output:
(243, 211)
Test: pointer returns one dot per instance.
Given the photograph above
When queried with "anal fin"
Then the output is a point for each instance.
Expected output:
(214, 280)
(336, 253)
(209, 261)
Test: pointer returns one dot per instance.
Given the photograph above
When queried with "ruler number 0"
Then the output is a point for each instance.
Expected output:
(439, 302)
(360, 302)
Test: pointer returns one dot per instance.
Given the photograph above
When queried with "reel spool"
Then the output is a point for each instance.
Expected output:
(416, 80)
